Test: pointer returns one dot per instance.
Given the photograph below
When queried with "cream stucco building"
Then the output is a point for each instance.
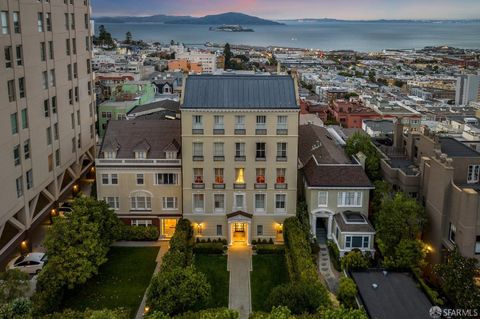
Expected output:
(47, 118)
(139, 172)
(240, 144)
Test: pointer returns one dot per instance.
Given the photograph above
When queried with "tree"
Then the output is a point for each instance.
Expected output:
(457, 280)
(354, 260)
(13, 284)
(342, 313)
(128, 37)
(347, 291)
(399, 218)
(409, 253)
(104, 38)
(178, 290)
(300, 297)
(361, 142)
(20, 308)
(383, 190)
(228, 56)
(303, 215)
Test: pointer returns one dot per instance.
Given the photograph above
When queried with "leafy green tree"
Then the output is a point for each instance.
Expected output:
(347, 291)
(227, 53)
(383, 191)
(342, 313)
(457, 280)
(361, 142)
(50, 290)
(99, 213)
(13, 284)
(354, 260)
(20, 308)
(178, 290)
(400, 217)
(90, 314)
(303, 216)
(408, 253)
(76, 247)
(300, 297)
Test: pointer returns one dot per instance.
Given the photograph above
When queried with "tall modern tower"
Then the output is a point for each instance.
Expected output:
(467, 89)
(47, 121)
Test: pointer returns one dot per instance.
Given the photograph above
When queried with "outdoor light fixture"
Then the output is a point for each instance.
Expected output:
(146, 310)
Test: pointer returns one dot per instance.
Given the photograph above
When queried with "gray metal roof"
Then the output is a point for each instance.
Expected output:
(454, 148)
(240, 91)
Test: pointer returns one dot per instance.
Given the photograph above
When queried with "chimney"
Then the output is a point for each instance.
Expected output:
(398, 134)
(362, 158)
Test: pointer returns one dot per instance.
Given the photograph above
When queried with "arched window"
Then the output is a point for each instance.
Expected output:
(141, 200)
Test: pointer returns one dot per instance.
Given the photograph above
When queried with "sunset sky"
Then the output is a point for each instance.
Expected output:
(288, 9)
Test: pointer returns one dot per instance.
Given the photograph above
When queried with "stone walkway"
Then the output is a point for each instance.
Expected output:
(325, 269)
(164, 246)
(240, 266)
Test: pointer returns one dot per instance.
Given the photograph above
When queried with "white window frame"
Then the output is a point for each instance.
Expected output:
(473, 174)
(325, 203)
(239, 122)
(281, 210)
(261, 125)
(239, 149)
(197, 149)
(134, 201)
(244, 203)
(218, 122)
(167, 200)
(141, 222)
(282, 125)
(357, 199)
(140, 176)
(282, 153)
(257, 209)
(157, 179)
(452, 229)
(218, 149)
(140, 155)
(348, 243)
(198, 209)
(197, 122)
(219, 210)
(112, 201)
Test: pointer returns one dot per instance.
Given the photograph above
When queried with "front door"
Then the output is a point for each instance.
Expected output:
(239, 234)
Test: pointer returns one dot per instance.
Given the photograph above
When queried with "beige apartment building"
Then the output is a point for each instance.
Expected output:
(139, 172)
(240, 143)
(46, 115)
(444, 175)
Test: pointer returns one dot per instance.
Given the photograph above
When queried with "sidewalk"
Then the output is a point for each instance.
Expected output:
(240, 266)
(125, 243)
(164, 247)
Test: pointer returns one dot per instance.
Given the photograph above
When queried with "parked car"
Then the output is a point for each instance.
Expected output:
(31, 263)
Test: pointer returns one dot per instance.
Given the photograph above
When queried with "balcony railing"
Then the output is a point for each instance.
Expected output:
(281, 158)
(281, 185)
(240, 158)
(218, 158)
(260, 186)
(239, 186)
(197, 158)
(197, 131)
(282, 131)
(240, 131)
(218, 186)
(198, 186)
(136, 162)
(261, 131)
(218, 131)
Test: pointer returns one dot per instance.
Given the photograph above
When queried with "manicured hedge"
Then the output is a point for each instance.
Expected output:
(298, 253)
(334, 255)
(269, 249)
(140, 233)
(209, 248)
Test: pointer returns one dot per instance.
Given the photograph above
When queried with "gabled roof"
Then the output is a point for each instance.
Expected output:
(233, 91)
(152, 135)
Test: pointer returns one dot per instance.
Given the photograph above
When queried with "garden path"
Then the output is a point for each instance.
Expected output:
(240, 266)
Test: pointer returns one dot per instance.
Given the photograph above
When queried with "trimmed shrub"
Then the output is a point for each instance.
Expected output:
(178, 290)
(354, 260)
(300, 297)
(347, 292)
(209, 248)
(173, 259)
(216, 313)
(298, 253)
(140, 233)
(90, 314)
(269, 249)
(334, 255)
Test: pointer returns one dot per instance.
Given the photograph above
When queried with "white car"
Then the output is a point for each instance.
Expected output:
(31, 263)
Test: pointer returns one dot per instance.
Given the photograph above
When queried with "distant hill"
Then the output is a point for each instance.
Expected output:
(308, 20)
(216, 19)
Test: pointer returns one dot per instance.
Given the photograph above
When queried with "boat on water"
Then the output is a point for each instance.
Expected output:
(230, 28)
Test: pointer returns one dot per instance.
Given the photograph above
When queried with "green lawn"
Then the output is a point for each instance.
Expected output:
(121, 281)
(215, 268)
(268, 272)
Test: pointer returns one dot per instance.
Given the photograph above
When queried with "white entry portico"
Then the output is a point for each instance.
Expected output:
(239, 228)
(325, 214)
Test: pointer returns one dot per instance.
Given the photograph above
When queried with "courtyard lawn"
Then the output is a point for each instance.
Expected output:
(121, 281)
(215, 268)
(268, 272)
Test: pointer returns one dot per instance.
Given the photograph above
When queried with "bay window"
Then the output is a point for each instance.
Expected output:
(349, 199)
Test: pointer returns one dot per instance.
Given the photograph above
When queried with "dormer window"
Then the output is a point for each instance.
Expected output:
(170, 155)
(110, 154)
(140, 155)
(473, 174)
